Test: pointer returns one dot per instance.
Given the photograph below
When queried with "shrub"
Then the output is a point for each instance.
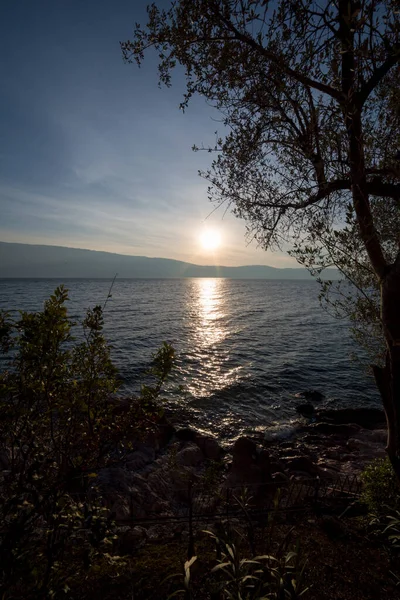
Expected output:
(58, 426)
(380, 487)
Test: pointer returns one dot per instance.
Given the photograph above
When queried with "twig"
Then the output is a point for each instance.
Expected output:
(109, 291)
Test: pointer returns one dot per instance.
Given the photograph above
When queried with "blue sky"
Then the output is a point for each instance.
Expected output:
(93, 154)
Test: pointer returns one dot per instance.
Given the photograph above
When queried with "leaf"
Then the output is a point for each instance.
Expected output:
(189, 563)
(220, 566)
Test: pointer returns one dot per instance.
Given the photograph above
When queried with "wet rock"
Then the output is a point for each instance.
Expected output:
(335, 429)
(311, 396)
(369, 418)
(306, 410)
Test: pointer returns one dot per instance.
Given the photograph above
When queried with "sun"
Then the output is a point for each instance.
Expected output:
(210, 239)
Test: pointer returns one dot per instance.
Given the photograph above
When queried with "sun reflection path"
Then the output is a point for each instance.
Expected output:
(210, 330)
(209, 368)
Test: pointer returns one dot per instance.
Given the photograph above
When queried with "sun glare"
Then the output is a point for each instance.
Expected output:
(210, 239)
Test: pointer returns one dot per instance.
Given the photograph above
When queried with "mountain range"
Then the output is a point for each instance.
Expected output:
(36, 261)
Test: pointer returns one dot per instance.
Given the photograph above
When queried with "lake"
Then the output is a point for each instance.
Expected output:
(245, 348)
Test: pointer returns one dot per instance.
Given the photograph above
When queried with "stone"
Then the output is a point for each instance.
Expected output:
(335, 429)
(306, 410)
(369, 418)
(210, 447)
(249, 466)
(303, 464)
(264, 461)
(244, 453)
(121, 509)
(186, 434)
(311, 396)
(190, 455)
(140, 458)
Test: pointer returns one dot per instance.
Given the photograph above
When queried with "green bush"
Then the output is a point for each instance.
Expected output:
(381, 490)
(59, 424)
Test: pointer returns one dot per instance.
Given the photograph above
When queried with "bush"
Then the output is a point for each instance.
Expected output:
(381, 490)
(58, 426)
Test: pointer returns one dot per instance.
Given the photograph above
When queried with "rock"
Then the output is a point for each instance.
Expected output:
(162, 435)
(264, 461)
(207, 444)
(369, 418)
(248, 465)
(121, 509)
(140, 458)
(311, 396)
(306, 410)
(244, 453)
(186, 434)
(210, 447)
(303, 464)
(190, 455)
(334, 429)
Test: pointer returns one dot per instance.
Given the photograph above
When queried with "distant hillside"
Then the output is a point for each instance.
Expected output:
(25, 260)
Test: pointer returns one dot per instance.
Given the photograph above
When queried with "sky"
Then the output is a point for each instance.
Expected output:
(93, 153)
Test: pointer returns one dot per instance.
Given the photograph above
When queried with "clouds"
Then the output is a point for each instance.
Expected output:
(94, 154)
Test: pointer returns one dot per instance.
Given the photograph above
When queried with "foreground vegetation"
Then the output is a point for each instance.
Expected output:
(61, 423)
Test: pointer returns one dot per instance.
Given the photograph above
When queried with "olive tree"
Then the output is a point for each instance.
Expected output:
(308, 93)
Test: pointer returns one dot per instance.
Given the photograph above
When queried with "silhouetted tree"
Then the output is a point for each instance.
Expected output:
(309, 96)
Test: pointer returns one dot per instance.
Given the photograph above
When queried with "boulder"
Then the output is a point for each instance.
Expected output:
(369, 418)
(140, 458)
(249, 466)
(303, 464)
(190, 455)
(210, 447)
(345, 430)
(186, 434)
(161, 435)
(244, 453)
(311, 396)
(306, 410)
(207, 444)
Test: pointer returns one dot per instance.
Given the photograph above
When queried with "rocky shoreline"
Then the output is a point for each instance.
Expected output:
(155, 479)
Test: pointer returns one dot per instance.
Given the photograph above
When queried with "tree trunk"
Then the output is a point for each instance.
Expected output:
(388, 377)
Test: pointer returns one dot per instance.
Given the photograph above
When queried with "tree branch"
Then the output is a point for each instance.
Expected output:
(276, 60)
(378, 75)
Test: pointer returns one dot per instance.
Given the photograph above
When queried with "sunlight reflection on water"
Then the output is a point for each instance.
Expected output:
(209, 308)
